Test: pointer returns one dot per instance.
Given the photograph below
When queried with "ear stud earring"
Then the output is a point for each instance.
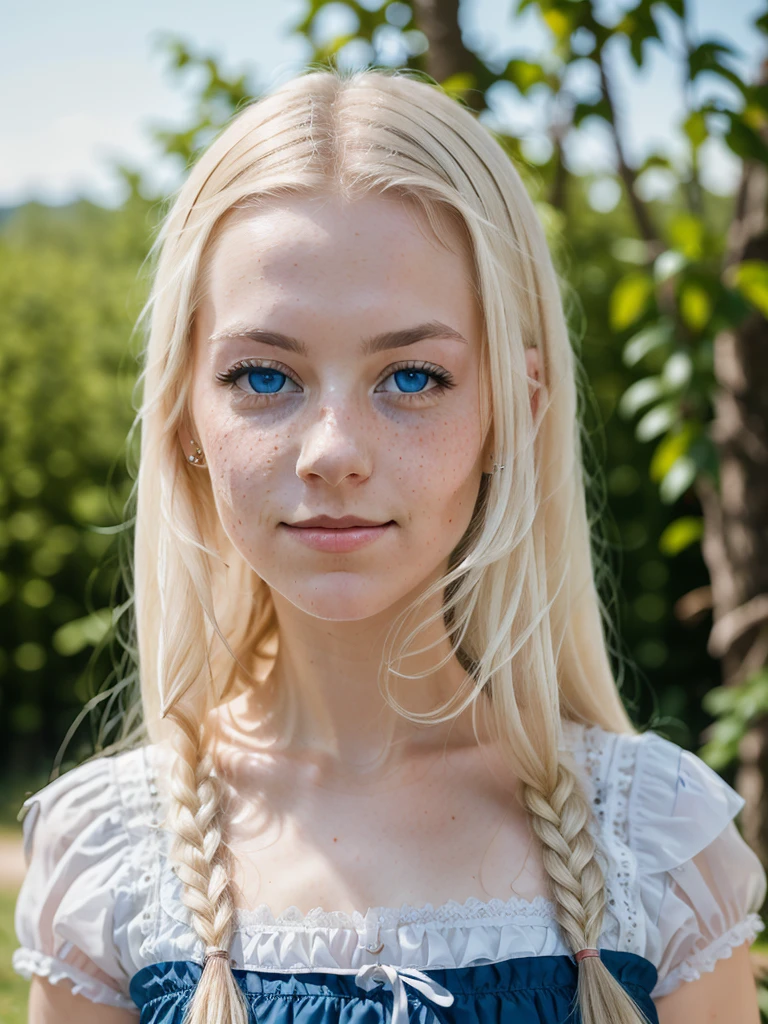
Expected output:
(496, 466)
(197, 459)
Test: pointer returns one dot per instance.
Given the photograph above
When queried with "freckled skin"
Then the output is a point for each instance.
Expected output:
(333, 273)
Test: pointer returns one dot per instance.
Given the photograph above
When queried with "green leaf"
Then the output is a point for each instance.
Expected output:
(630, 299)
(670, 449)
(720, 700)
(648, 340)
(599, 109)
(558, 23)
(745, 141)
(687, 233)
(695, 127)
(459, 84)
(695, 305)
(656, 421)
(641, 393)
(705, 57)
(750, 278)
(524, 74)
(655, 160)
(87, 632)
(680, 534)
(667, 264)
(678, 370)
(678, 480)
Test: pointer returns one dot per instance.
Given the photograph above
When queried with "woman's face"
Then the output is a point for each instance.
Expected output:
(336, 373)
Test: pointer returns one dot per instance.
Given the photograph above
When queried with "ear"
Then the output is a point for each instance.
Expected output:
(533, 369)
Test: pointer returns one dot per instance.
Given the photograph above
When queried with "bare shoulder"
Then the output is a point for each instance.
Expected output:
(726, 995)
(51, 1004)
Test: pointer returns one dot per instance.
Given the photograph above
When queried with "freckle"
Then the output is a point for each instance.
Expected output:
(335, 839)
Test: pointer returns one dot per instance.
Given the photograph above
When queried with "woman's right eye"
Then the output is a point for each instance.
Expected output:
(258, 379)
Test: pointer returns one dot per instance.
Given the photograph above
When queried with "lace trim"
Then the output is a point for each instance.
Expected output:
(704, 960)
(143, 795)
(27, 962)
(623, 899)
(449, 914)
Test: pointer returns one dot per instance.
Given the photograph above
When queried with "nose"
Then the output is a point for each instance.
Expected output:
(333, 448)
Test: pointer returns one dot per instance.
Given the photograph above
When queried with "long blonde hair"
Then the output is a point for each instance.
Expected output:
(519, 597)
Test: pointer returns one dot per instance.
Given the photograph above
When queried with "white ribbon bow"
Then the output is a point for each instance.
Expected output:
(376, 974)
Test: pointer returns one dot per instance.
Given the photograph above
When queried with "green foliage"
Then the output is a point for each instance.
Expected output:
(735, 709)
(70, 293)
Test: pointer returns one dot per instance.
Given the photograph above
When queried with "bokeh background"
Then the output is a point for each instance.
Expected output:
(641, 130)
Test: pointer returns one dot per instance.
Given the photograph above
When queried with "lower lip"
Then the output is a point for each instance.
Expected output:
(349, 538)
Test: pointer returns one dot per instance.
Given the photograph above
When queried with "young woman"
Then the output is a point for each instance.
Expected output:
(385, 773)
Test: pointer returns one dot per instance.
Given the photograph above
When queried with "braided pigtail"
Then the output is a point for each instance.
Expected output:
(561, 821)
(202, 864)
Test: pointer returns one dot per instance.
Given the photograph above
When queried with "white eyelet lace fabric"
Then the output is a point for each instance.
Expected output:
(98, 853)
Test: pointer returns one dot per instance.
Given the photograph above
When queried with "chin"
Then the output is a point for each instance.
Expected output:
(342, 597)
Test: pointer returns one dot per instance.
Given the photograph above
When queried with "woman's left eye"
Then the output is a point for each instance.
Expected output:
(412, 380)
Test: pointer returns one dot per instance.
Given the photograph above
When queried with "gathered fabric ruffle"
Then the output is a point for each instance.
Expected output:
(527, 990)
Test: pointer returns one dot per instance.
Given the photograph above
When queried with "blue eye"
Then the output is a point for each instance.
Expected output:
(258, 380)
(411, 380)
(270, 380)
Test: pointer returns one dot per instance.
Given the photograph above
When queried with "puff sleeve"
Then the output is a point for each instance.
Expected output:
(77, 853)
(701, 885)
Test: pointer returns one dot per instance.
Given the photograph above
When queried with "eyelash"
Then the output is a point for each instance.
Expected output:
(444, 380)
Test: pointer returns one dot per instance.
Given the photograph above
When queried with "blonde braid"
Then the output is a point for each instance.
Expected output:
(202, 864)
(561, 820)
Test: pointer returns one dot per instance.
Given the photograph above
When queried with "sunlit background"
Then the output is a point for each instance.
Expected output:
(633, 137)
(83, 82)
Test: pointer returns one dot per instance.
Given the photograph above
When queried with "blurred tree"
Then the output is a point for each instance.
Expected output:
(69, 295)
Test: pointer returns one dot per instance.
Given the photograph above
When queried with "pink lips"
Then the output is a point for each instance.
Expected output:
(348, 533)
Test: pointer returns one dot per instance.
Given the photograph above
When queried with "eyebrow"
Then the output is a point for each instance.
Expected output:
(369, 346)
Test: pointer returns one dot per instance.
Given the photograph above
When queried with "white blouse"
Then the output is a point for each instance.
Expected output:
(100, 900)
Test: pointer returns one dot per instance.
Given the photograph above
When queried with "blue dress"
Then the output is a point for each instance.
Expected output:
(101, 908)
(526, 990)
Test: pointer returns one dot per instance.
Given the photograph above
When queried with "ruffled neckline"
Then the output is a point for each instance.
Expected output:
(449, 914)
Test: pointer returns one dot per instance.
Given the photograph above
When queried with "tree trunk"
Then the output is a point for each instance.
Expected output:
(447, 55)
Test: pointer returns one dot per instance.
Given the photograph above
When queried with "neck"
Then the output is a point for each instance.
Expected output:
(320, 702)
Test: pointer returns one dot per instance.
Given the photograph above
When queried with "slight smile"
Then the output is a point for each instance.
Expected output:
(337, 539)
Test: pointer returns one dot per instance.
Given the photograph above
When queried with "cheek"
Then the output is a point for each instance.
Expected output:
(246, 467)
(439, 467)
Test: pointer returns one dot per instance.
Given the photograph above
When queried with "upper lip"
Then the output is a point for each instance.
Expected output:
(330, 523)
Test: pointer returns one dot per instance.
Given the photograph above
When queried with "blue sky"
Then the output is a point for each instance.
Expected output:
(82, 81)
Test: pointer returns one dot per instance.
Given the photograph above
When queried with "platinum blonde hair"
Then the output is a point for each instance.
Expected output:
(519, 597)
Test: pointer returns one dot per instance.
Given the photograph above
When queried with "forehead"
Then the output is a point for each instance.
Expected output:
(296, 253)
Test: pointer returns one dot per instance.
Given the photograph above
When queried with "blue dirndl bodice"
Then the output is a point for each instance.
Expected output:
(521, 990)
